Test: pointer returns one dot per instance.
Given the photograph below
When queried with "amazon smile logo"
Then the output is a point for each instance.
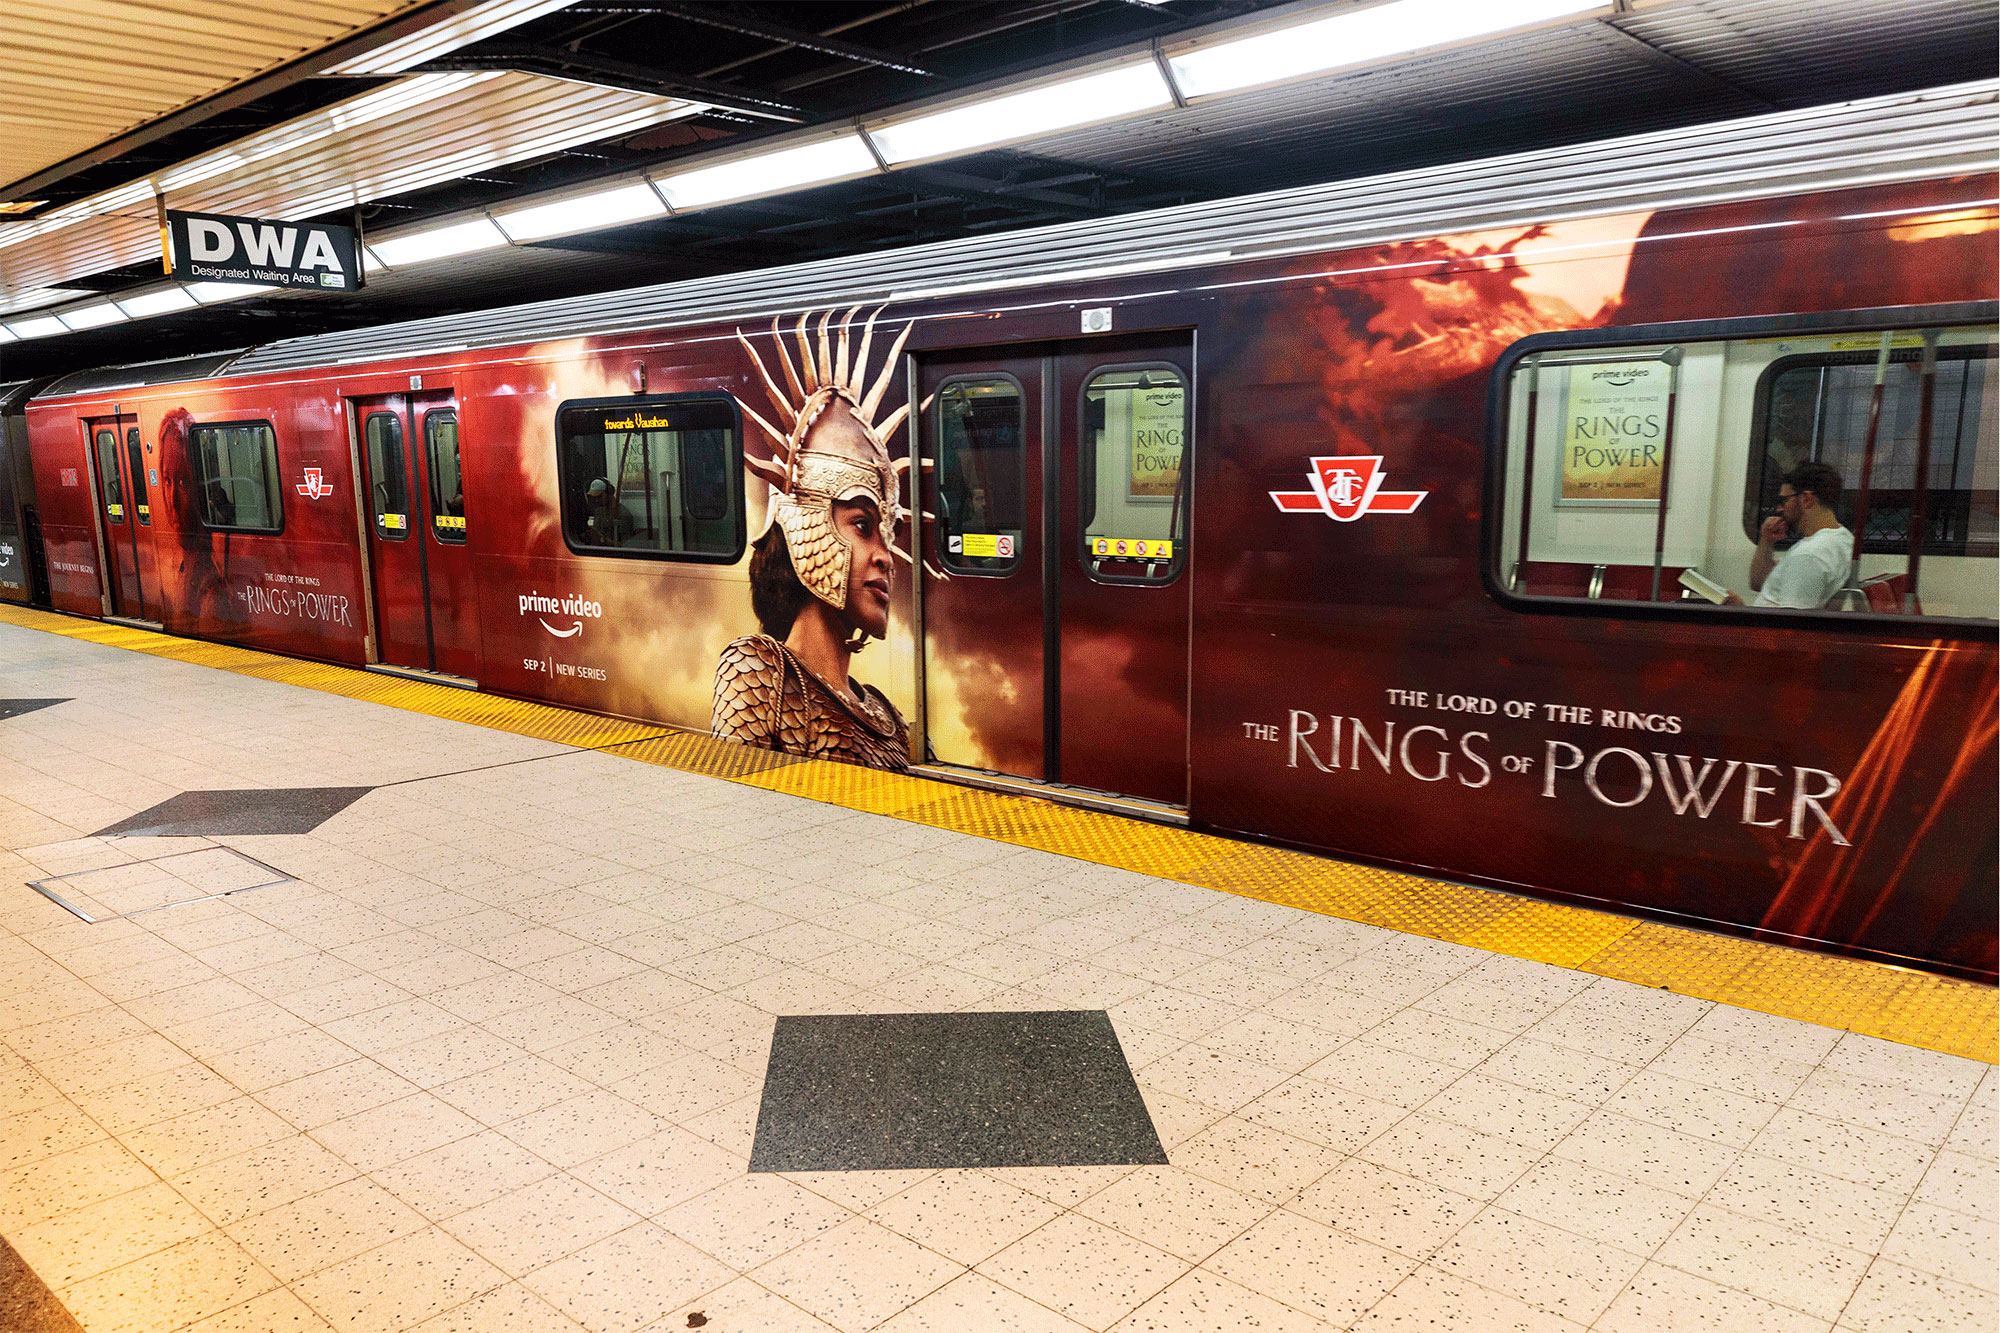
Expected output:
(575, 607)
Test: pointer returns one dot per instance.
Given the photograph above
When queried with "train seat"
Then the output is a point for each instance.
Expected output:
(1552, 578)
(1886, 594)
(1634, 583)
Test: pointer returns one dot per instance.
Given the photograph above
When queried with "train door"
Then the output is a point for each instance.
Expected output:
(426, 616)
(123, 488)
(1056, 647)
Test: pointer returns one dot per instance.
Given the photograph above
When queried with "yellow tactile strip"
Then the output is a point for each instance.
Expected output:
(1915, 1008)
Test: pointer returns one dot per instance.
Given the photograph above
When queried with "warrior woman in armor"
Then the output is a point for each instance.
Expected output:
(822, 571)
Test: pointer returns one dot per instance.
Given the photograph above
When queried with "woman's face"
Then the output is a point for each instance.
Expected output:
(872, 570)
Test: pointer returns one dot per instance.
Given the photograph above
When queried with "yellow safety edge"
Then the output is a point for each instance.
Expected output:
(1898, 1004)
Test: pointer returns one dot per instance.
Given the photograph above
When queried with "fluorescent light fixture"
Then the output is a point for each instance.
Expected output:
(6, 335)
(769, 173)
(584, 212)
(91, 316)
(162, 302)
(28, 297)
(39, 327)
(1085, 100)
(468, 25)
(460, 238)
(1356, 37)
(212, 293)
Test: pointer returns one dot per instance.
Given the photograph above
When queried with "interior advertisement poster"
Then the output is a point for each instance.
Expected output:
(1615, 419)
(1159, 417)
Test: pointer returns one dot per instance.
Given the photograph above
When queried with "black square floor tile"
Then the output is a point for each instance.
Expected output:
(194, 814)
(16, 707)
(888, 1092)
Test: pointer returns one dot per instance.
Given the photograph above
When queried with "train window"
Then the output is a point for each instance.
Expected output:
(981, 474)
(1133, 428)
(1816, 408)
(1736, 472)
(136, 453)
(236, 472)
(388, 475)
(108, 480)
(658, 476)
(447, 482)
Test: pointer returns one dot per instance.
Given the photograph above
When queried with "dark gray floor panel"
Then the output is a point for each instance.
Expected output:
(197, 814)
(26, 1303)
(865, 1092)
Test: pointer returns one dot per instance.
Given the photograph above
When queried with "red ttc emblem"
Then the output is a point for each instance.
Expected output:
(1346, 488)
(314, 487)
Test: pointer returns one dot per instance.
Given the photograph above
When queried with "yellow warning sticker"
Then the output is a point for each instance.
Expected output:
(1133, 548)
(451, 522)
(393, 522)
(117, 513)
(985, 544)
(1872, 342)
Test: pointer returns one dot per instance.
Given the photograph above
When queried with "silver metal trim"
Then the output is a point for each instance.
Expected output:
(418, 673)
(1132, 807)
(41, 886)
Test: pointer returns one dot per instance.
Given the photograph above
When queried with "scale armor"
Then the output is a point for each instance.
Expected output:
(766, 697)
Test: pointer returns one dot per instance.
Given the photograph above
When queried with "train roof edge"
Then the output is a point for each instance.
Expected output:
(1935, 132)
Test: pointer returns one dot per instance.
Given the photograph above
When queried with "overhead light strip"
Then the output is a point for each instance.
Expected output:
(1356, 37)
(1198, 67)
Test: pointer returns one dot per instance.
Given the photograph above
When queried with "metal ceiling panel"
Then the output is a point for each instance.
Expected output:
(1793, 52)
(74, 73)
(417, 132)
(1949, 131)
(1706, 59)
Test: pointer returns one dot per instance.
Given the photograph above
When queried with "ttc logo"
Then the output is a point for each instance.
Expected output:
(314, 487)
(1346, 488)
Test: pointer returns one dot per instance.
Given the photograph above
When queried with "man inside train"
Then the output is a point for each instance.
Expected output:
(1817, 566)
(605, 522)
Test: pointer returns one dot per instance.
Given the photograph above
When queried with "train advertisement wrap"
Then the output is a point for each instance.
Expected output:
(1391, 631)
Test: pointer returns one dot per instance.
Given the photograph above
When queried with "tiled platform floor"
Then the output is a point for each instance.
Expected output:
(494, 1062)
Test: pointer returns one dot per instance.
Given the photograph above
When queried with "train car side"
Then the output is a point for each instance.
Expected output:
(1361, 671)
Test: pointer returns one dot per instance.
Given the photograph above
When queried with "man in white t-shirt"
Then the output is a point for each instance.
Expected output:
(1807, 576)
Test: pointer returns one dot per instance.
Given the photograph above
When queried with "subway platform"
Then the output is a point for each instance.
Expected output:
(330, 1001)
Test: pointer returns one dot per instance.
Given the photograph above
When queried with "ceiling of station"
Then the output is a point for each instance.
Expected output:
(736, 72)
(383, 143)
(75, 73)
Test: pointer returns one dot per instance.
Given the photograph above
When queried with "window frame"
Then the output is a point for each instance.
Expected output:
(1086, 471)
(1028, 502)
(1499, 413)
(105, 483)
(431, 474)
(395, 419)
(636, 400)
(201, 480)
(1761, 416)
(135, 450)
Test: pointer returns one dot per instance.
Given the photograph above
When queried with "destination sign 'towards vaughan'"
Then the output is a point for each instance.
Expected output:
(214, 247)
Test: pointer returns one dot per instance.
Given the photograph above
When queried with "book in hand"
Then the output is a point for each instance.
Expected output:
(1701, 585)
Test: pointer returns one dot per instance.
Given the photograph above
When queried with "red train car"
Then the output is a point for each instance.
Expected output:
(1614, 523)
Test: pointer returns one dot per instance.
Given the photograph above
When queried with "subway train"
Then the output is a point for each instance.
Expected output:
(1614, 523)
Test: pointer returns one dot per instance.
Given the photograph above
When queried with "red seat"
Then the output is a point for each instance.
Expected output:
(1886, 594)
(1634, 583)
(1552, 578)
